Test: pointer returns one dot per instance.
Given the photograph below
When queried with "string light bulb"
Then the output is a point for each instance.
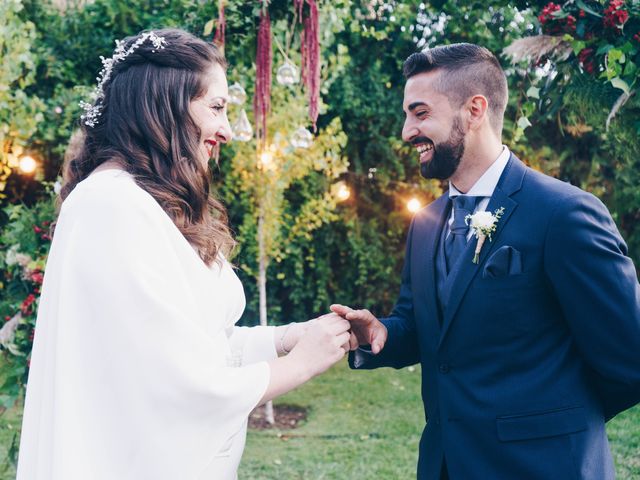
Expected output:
(266, 159)
(27, 164)
(341, 191)
(414, 205)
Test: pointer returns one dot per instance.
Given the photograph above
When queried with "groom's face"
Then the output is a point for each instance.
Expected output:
(433, 127)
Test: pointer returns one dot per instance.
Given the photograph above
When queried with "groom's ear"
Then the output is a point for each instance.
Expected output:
(477, 111)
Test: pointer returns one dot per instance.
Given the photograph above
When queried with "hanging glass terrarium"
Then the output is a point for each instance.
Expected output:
(242, 129)
(237, 95)
(287, 74)
(301, 138)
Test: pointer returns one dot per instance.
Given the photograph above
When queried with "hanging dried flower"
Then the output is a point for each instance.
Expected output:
(264, 57)
(310, 52)
(219, 36)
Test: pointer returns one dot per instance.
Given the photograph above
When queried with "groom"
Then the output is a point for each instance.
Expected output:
(527, 352)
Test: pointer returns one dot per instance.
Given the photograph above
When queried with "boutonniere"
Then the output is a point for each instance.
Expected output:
(483, 224)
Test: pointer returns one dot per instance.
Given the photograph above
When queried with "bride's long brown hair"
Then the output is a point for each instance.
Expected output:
(145, 126)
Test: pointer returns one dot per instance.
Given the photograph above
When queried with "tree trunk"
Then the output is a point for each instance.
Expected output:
(262, 289)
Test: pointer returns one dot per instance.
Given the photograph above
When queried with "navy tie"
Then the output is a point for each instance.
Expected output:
(456, 242)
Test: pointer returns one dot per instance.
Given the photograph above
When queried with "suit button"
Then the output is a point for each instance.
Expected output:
(444, 368)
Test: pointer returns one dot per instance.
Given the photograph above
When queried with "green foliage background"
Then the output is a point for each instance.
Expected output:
(356, 257)
(352, 255)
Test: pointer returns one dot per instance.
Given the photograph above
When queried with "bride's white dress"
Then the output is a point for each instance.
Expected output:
(137, 371)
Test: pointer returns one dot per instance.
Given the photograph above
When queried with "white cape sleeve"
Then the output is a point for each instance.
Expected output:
(125, 382)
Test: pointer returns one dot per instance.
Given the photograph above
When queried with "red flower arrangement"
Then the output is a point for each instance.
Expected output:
(553, 23)
(601, 35)
(27, 305)
(586, 57)
(614, 16)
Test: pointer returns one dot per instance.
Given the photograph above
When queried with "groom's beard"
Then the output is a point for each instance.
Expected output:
(447, 155)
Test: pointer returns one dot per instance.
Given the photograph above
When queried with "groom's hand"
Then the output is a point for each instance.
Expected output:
(366, 327)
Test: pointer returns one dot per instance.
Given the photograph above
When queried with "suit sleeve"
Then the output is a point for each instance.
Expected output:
(597, 288)
(401, 348)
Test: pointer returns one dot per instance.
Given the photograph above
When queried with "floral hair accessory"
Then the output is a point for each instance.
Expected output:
(483, 224)
(93, 110)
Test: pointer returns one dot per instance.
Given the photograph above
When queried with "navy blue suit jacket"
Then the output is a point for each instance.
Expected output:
(539, 343)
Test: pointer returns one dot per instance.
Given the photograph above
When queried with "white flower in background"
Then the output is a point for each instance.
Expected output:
(12, 253)
(57, 187)
(8, 333)
(483, 224)
(23, 259)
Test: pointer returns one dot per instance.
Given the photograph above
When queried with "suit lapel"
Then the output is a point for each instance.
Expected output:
(465, 270)
(428, 229)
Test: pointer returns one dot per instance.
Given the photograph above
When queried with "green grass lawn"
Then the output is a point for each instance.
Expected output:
(368, 424)
(360, 425)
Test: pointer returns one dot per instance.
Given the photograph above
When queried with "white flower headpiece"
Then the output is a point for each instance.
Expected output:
(93, 110)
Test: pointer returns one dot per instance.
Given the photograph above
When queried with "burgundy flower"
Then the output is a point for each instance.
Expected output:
(614, 16)
(546, 14)
(586, 58)
(37, 277)
(553, 25)
(27, 305)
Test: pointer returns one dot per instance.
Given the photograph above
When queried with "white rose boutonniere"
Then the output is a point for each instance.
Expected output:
(483, 224)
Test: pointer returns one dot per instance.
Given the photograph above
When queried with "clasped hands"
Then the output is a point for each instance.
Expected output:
(344, 327)
(365, 328)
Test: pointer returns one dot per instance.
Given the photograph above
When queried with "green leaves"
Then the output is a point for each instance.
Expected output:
(533, 92)
(523, 122)
(20, 112)
(586, 8)
(617, 82)
(208, 28)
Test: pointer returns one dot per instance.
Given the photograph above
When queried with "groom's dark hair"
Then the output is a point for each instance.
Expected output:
(466, 70)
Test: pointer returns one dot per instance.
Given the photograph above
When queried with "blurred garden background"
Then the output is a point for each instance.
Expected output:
(321, 202)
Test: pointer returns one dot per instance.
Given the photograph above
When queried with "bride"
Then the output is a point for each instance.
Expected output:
(137, 370)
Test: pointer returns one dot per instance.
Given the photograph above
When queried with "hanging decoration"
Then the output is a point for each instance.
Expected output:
(218, 38)
(237, 95)
(310, 52)
(287, 74)
(264, 57)
(301, 138)
(242, 130)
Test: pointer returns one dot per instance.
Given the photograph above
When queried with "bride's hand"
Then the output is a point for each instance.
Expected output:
(323, 343)
(289, 335)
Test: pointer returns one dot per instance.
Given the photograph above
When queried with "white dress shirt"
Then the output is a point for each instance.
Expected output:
(484, 186)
